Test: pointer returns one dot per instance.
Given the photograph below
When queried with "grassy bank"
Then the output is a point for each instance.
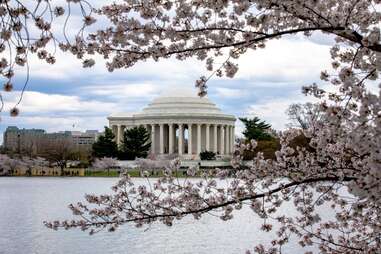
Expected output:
(132, 173)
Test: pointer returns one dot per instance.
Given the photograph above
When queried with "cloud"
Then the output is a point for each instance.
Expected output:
(40, 103)
(321, 38)
(284, 61)
(273, 111)
(125, 91)
(54, 112)
(230, 92)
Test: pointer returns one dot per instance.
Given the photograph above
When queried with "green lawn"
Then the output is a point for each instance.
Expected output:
(132, 173)
(102, 173)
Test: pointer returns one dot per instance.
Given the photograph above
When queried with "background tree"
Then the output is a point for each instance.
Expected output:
(83, 156)
(105, 146)
(256, 129)
(8, 165)
(303, 115)
(267, 148)
(58, 152)
(153, 167)
(135, 143)
(105, 163)
(34, 163)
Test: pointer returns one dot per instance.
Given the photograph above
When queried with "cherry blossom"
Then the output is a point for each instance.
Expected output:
(27, 29)
(105, 163)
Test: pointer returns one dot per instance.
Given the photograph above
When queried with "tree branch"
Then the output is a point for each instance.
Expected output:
(230, 202)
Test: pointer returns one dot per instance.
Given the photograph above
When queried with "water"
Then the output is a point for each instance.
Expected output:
(26, 202)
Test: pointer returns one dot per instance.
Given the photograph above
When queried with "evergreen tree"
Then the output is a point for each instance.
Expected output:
(105, 145)
(256, 129)
(135, 143)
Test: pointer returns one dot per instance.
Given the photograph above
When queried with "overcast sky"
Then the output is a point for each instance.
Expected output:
(64, 95)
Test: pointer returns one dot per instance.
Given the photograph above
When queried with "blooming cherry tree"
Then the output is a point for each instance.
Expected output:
(8, 165)
(32, 28)
(149, 166)
(341, 172)
(105, 163)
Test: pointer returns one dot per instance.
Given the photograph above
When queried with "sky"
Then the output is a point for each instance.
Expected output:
(65, 96)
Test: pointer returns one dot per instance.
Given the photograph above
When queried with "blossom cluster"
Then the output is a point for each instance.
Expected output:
(27, 28)
(9, 165)
(105, 163)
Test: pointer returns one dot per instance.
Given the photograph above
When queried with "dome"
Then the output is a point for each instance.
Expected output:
(178, 103)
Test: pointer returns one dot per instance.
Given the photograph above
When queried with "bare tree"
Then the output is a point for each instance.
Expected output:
(304, 115)
(57, 151)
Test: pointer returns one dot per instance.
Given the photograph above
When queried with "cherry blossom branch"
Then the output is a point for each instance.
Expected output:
(150, 217)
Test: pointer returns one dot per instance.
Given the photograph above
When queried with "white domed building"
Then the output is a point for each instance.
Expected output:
(181, 123)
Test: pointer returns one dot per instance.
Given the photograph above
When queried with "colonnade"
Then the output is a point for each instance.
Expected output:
(186, 139)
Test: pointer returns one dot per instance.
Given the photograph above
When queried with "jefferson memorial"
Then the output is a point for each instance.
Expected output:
(181, 123)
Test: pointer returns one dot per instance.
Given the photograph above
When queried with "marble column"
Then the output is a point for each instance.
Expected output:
(171, 134)
(189, 139)
(114, 129)
(227, 139)
(161, 138)
(207, 143)
(122, 131)
(119, 135)
(198, 139)
(215, 148)
(181, 137)
(233, 140)
(222, 127)
(226, 146)
(153, 138)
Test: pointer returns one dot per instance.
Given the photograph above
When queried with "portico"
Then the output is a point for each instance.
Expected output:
(183, 125)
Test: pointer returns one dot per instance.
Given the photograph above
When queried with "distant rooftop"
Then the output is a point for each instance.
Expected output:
(16, 129)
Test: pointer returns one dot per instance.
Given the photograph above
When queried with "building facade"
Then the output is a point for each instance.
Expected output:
(33, 141)
(84, 140)
(181, 124)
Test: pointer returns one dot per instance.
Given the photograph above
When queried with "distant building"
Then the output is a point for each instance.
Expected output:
(32, 141)
(22, 140)
(84, 140)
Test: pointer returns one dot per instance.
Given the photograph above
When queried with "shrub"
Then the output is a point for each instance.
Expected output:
(267, 147)
(207, 156)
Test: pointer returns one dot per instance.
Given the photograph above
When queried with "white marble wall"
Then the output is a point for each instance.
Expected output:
(196, 137)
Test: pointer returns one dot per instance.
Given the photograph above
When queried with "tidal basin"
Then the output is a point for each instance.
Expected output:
(26, 202)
